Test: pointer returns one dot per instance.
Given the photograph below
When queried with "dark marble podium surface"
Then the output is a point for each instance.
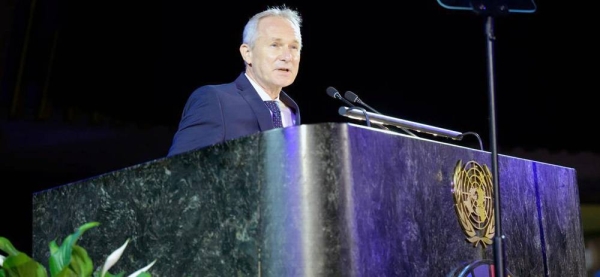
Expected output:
(313, 200)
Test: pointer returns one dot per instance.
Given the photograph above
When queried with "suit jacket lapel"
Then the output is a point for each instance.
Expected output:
(288, 101)
(263, 115)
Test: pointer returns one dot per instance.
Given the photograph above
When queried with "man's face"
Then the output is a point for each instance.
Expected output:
(275, 57)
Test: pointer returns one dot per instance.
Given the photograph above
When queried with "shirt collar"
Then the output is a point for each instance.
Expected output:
(261, 92)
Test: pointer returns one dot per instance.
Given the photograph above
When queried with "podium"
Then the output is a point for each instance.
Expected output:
(330, 199)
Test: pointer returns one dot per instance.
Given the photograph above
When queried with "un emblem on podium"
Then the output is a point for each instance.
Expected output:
(473, 202)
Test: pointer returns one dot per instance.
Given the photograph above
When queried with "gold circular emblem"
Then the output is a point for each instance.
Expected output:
(473, 201)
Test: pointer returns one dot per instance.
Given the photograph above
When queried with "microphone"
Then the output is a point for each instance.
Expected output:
(354, 98)
(331, 91)
(334, 93)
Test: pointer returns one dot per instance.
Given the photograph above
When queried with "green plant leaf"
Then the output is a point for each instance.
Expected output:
(81, 263)
(60, 257)
(53, 246)
(66, 272)
(7, 247)
(21, 265)
(107, 274)
(66, 260)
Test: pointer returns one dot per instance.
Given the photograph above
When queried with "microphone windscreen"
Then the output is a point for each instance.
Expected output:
(331, 91)
(351, 96)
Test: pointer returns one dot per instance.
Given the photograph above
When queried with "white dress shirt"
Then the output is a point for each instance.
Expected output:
(286, 112)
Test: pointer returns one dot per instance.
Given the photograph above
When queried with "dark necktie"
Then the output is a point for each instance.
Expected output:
(272, 105)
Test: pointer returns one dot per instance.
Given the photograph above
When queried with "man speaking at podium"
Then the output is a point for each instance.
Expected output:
(254, 102)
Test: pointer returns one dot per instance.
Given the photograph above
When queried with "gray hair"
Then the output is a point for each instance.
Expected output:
(251, 28)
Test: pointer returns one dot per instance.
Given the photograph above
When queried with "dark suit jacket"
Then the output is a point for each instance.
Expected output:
(216, 113)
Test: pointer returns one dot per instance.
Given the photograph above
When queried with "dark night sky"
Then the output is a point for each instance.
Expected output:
(139, 61)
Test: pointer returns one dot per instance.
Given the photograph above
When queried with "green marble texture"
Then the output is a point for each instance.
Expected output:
(314, 200)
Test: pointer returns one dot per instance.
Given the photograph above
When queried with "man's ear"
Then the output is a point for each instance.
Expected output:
(246, 53)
